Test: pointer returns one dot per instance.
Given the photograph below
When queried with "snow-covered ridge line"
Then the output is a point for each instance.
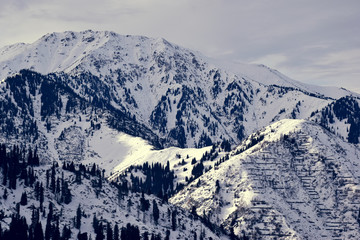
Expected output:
(64, 51)
(182, 96)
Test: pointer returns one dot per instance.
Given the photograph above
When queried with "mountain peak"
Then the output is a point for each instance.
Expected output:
(176, 92)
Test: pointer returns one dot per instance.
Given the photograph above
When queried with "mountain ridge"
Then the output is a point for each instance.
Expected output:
(243, 148)
(264, 181)
(190, 101)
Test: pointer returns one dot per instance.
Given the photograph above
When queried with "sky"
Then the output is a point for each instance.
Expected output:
(316, 42)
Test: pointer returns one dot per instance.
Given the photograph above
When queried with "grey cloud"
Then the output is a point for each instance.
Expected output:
(297, 35)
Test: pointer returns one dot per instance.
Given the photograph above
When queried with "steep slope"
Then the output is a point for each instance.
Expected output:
(76, 199)
(182, 96)
(41, 111)
(341, 117)
(293, 179)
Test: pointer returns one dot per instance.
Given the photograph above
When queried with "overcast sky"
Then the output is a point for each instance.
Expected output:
(313, 41)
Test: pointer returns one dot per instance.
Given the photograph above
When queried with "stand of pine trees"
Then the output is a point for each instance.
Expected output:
(17, 168)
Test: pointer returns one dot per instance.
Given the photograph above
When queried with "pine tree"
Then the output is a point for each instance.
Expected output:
(23, 200)
(78, 217)
(156, 212)
(144, 204)
(47, 178)
(35, 216)
(173, 220)
(78, 177)
(100, 232)
(18, 228)
(109, 232)
(65, 193)
(5, 194)
(41, 195)
(38, 232)
(95, 223)
(167, 237)
(82, 236)
(56, 231)
(130, 232)
(66, 233)
(48, 230)
(52, 178)
(48, 227)
(30, 157)
(116, 232)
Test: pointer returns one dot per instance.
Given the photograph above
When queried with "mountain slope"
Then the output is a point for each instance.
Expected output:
(135, 105)
(293, 179)
(183, 97)
(76, 199)
(341, 117)
(41, 111)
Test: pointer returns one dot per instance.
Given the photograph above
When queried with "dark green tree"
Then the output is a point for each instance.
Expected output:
(109, 232)
(156, 212)
(116, 232)
(78, 217)
(173, 219)
(38, 232)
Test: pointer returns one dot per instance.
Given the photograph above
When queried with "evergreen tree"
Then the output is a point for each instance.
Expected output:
(100, 232)
(65, 193)
(47, 178)
(31, 234)
(48, 230)
(173, 220)
(95, 223)
(78, 217)
(56, 231)
(116, 232)
(41, 195)
(82, 236)
(35, 216)
(129, 204)
(130, 232)
(5, 194)
(48, 227)
(167, 237)
(155, 236)
(144, 204)
(109, 232)
(78, 177)
(38, 232)
(66, 233)
(53, 178)
(18, 228)
(156, 212)
(23, 200)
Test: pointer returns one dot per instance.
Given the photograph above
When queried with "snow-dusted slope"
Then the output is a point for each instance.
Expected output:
(109, 99)
(185, 98)
(103, 203)
(292, 180)
(341, 117)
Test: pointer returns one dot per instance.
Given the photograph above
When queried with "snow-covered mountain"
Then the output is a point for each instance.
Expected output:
(291, 180)
(298, 181)
(235, 150)
(186, 99)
